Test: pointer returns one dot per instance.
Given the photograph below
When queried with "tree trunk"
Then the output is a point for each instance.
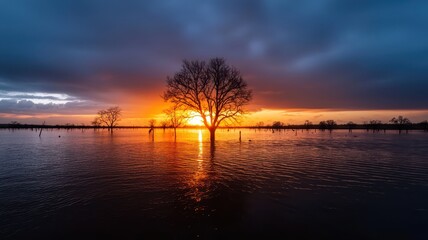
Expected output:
(212, 134)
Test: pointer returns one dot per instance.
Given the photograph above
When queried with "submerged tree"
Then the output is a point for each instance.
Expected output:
(260, 124)
(330, 124)
(308, 125)
(14, 124)
(375, 125)
(164, 123)
(322, 125)
(96, 122)
(152, 123)
(401, 122)
(108, 117)
(351, 125)
(278, 125)
(214, 90)
(176, 117)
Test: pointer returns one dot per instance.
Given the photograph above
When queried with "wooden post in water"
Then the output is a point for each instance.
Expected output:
(239, 136)
(152, 132)
(41, 129)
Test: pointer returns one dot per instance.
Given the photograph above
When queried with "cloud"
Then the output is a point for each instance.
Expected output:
(327, 54)
(29, 108)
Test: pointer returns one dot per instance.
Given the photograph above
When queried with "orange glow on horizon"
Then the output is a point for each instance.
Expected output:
(140, 116)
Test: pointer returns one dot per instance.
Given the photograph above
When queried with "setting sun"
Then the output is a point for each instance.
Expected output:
(195, 120)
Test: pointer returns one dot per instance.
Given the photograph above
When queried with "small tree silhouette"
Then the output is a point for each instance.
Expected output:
(308, 125)
(330, 124)
(322, 125)
(176, 117)
(260, 124)
(96, 123)
(14, 124)
(401, 123)
(152, 123)
(277, 125)
(351, 125)
(109, 117)
(164, 123)
(375, 125)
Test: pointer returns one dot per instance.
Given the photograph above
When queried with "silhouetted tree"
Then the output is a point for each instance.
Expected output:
(366, 125)
(152, 123)
(164, 123)
(322, 125)
(14, 124)
(96, 122)
(278, 124)
(260, 124)
(108, 117)
(401, 123)
(215, 90)
(308, 125)
(351, 125)
(375, 125)
(176, 117)
(330, 124)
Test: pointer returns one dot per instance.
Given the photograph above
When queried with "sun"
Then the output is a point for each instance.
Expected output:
(195, 120)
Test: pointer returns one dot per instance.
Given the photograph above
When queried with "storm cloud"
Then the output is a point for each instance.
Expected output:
(329, 54)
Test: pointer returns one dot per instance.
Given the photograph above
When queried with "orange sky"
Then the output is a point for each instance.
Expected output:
(138, 109)
(141, 115)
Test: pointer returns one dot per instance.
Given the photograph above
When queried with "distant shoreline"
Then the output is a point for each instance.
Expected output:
(377, 128)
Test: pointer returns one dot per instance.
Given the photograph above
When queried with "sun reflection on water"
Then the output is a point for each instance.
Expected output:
(201, 148)
(197, 182)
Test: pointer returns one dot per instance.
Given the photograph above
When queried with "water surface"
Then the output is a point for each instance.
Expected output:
(291, 184)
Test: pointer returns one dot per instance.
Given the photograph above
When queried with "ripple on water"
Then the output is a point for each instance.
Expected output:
(126, 181)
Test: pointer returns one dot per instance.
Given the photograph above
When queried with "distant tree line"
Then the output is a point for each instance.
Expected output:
(175, 119)
(399, 123)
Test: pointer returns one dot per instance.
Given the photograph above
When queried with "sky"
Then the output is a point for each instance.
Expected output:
(62, 61)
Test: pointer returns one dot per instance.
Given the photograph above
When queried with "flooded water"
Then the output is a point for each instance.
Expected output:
(129, 185)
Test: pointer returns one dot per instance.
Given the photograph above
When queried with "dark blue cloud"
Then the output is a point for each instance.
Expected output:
(295, 54)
